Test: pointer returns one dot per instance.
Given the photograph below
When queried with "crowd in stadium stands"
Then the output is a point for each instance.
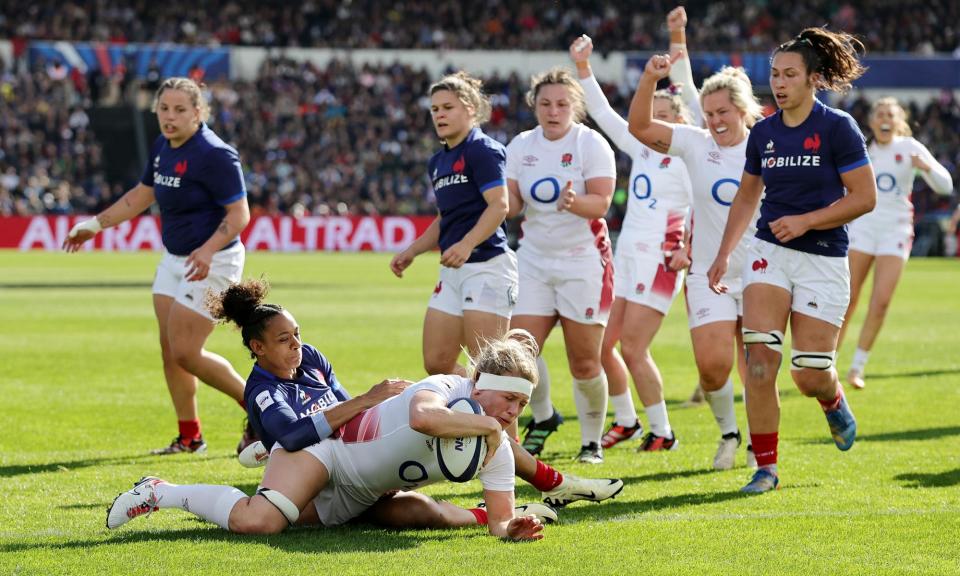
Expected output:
(886, 25)
(339, 140)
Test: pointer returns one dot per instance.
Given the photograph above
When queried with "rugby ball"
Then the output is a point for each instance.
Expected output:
(460, 458)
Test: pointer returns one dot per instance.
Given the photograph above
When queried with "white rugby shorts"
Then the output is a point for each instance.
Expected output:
(489, 286)
(878, 238)
(704, 306)
(225, 269)
(819, 285)
(579, 288)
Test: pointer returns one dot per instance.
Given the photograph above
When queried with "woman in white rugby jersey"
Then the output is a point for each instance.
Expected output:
(563, 173)
(649, 260)
(883, 238)
(714, 156)
(386, 448)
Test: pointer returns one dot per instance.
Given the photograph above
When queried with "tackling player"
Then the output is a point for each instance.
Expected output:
(810, 164)
(386, 448)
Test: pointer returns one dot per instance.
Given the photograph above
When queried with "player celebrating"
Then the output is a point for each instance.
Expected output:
(564, 174)
(883, 238)
(813, 161)
(477, 288)
(714, 157)
(386, 448)
(196, 180)
(648, 259)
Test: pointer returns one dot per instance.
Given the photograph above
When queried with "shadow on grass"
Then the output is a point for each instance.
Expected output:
(941, 480)
(354, 538)
(614, 508)
(899, 436)
(68, 465)
(917, 374)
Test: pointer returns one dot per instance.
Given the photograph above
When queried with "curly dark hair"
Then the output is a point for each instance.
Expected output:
(242, 304)
(833, 55)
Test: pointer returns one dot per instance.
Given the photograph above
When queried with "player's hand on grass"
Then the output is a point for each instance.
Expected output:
(80, 233)
(525, 528)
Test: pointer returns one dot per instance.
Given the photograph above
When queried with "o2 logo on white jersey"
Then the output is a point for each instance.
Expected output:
(723, 189)
(886, 182)
(649, 190)
(413, 473)
(554, 187)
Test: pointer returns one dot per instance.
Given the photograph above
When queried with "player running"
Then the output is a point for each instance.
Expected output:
(883, 238)
(810, 163)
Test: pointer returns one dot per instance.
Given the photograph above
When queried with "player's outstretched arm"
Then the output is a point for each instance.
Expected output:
(644, 127)
(135, 201)
(501, 522)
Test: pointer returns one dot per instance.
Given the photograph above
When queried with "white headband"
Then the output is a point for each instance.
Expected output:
(504, 384)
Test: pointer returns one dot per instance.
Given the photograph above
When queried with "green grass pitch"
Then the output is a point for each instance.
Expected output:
(83, 400)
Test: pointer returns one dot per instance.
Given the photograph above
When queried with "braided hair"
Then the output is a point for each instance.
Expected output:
(242, 304)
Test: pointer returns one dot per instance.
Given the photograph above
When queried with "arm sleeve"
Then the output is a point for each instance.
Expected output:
(753, 162)
(488, 164)
(498, 474)
(222, 176)
(681, 139)
(147, 177)
(279, 420)
(682, 73)
(612, 124)
(849, 146)
(512, 167)
(938, 177)
(599, 161)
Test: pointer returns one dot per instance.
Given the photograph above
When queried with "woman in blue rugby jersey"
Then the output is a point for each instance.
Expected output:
(475, 294)
(196, 180)
(810, 164)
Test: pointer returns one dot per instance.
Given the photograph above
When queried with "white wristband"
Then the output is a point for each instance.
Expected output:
(91, 225)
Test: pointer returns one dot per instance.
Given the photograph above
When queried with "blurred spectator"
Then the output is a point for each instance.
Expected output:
(886, 25)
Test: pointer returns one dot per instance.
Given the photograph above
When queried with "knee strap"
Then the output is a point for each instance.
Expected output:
(815, 360)
(772, 339)
(282, 503)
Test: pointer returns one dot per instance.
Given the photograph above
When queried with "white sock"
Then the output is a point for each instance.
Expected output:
(590, 396)
(860, 360)
(624, 413)
(211, 503)
(540, 404)
(721, 404)
(659, 422)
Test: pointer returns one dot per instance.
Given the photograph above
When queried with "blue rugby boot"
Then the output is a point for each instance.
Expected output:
(843, 426)
(764, 480)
